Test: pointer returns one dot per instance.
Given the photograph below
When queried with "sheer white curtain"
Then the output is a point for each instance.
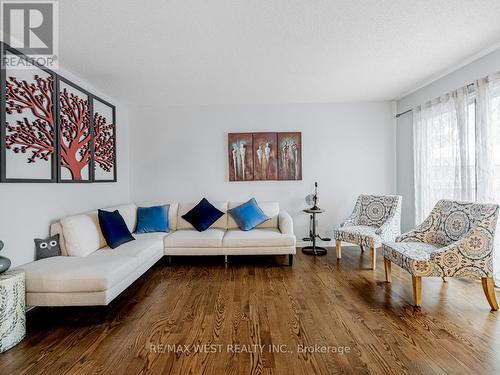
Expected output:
(488, 150)
(443, 151)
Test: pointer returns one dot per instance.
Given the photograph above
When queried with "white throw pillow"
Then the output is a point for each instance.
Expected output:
(82, 234)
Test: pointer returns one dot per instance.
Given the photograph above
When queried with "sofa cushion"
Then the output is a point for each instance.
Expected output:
(95, 273)
(192, 238)
(144, 247)
(82, 234)
(270, 209)
(184, 208)
(264, 237)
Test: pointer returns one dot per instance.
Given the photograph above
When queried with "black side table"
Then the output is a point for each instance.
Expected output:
(314, 250)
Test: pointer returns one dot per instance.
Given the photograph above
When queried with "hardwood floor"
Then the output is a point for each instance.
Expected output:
(253, 301)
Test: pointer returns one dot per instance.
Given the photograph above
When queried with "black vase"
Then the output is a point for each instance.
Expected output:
(4, 262)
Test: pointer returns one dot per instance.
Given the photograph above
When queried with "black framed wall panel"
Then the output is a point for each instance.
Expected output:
(28, 122)
(75, 149)
(47, 119)
(104, 130)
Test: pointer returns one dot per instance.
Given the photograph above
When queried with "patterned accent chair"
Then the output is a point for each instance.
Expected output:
(455, 240)
(375, 218)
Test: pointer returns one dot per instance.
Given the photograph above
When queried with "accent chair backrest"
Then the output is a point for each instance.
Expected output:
(451, 220)
(374, 210)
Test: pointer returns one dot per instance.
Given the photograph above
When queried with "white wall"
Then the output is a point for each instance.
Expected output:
(180, 154)
(26, 210)
(469, 73)
(404, 171)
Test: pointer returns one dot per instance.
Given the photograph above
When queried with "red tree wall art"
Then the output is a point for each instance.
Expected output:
(35, 136)
(104, 143)
(46, 117)
(75, 133)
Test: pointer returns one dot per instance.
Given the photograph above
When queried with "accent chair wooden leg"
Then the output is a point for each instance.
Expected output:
(489, 292)
(290, 259)
(338, 249)
(417, 290)
(387, 266)
(373, 257)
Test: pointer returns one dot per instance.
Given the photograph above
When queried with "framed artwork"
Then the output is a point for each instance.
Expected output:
(75, 135)
(240, 156)
(28, 127)
(265, 156)
(104, 131)
(290, 156)
(52, 130)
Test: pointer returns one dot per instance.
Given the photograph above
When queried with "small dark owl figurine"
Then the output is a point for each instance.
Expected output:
(47, 248)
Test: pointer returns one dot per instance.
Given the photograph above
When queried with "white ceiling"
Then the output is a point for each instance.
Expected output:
(188, 52)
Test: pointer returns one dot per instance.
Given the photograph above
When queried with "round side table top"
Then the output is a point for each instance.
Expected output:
(310, 211)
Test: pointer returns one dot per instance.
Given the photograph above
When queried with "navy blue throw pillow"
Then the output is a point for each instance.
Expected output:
(248, 215)
(203, 215)
(113, 228)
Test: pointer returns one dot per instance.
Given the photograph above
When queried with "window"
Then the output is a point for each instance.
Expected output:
(444, 143)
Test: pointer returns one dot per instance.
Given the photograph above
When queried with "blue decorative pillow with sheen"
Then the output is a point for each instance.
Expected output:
(152, 219)
(203, 215)
(248, 215)
(113, 228)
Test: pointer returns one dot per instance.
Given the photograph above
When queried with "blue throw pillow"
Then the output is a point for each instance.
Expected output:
(248, 215)
(203, 215)
(113, 228)
(152, 219)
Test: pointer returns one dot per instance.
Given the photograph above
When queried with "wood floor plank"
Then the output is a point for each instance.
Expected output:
(257, 315)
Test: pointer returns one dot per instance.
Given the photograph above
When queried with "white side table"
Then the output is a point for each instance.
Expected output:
(12, 309)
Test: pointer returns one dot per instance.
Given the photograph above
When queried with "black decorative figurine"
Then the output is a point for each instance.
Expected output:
(4, 262)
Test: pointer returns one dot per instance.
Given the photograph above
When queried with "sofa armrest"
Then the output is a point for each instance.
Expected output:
(285, 222)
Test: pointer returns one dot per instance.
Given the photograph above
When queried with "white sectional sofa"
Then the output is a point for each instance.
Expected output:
(90, 273)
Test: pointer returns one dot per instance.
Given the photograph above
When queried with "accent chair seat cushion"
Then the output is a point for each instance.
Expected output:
(265, 237)
(362, 235)
(192, 238)
(414, 257)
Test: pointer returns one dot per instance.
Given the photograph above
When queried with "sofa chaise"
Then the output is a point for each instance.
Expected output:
(89, 273)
